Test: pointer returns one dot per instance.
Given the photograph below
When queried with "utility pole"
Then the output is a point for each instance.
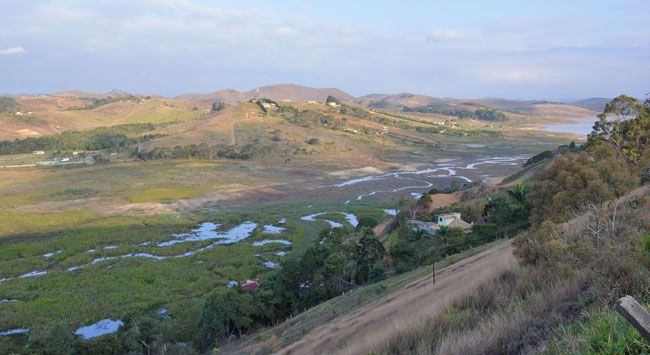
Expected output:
(433, 267)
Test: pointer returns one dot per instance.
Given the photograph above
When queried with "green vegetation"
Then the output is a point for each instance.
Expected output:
(108, 100)
(204, 151)
(481, 113)
(8, 104)
(163, 194)
(307, 117)
(331, 99)
(103, 138)
(218, 106)
(601, 332)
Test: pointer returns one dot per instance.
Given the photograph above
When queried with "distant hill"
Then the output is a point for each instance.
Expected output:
(397, 100)
(279, 92)
(78, 94)
(227, 96)
(595, 103)
(584, 108)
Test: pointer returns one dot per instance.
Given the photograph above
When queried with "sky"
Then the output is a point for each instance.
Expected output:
(544, 49)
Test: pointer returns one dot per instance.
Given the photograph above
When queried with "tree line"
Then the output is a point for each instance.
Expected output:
(481, 113)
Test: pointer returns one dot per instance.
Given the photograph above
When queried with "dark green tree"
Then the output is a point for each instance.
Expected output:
(213, 325)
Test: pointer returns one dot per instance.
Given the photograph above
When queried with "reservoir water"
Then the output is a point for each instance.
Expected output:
(581, 126)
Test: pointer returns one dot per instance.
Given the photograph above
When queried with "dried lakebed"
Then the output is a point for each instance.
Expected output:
(467, 171)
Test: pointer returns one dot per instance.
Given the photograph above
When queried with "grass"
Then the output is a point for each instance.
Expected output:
(507, 313)
(165, 194)
(602, 331)
(18, 223)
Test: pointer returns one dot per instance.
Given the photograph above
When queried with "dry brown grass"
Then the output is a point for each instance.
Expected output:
(509, 311)
(384, 322)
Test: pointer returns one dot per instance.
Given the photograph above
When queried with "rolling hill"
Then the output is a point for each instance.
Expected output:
(279, 92)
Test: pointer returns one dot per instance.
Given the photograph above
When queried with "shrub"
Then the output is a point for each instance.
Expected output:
(366, 222)
(313, 141)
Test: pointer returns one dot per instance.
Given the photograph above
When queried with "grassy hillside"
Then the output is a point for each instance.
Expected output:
(50, 115)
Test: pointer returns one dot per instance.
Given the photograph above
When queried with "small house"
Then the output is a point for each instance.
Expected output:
(250, 285)
(448, 220)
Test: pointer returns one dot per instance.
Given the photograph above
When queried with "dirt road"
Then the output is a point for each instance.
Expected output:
(366, 327)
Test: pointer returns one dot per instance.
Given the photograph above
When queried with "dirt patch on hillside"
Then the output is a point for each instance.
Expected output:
(442, 200)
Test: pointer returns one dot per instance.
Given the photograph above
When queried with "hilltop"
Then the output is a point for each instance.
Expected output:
(279, 92)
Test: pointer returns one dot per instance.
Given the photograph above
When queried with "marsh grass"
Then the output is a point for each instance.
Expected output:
(165, 194)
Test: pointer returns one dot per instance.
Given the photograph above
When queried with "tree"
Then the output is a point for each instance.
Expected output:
(218, 106)
(238, 308)
(366, 222)
(367, 252)
(332, 99)
(213, 325)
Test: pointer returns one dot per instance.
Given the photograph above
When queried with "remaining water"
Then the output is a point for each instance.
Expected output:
(273, 229)
(390, 212)
(581, 126)
(207, 231)
(15, 331)
(271, 241)
(103, 327)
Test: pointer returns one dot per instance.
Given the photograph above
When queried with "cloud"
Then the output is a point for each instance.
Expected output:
(445, 35)
(13, 50)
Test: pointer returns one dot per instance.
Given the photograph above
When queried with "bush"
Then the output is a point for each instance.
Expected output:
(366, 222)
(547, 154)
(7, 104)
(602, 332)
(313, 141)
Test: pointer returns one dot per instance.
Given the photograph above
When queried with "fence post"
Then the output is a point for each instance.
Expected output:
(636, 314)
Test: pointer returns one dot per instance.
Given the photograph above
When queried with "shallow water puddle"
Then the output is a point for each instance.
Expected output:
(32, 274)
(208, 231)
(7, 301)
(15, 331)
(272, 241)
(271, 265)
(103, 327)
(163, 313)
(273, 229)
(51, 254)
(390, 212)
(349, 217)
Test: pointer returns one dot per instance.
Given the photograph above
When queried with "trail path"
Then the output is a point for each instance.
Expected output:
(369, 323)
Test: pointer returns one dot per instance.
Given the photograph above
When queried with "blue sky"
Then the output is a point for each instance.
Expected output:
(546, 49)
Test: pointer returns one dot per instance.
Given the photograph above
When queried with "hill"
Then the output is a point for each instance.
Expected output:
(595, 103)
(279, 92)
(78, 94)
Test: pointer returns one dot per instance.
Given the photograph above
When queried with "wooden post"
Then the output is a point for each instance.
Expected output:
(433, 267)
(636, 314)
